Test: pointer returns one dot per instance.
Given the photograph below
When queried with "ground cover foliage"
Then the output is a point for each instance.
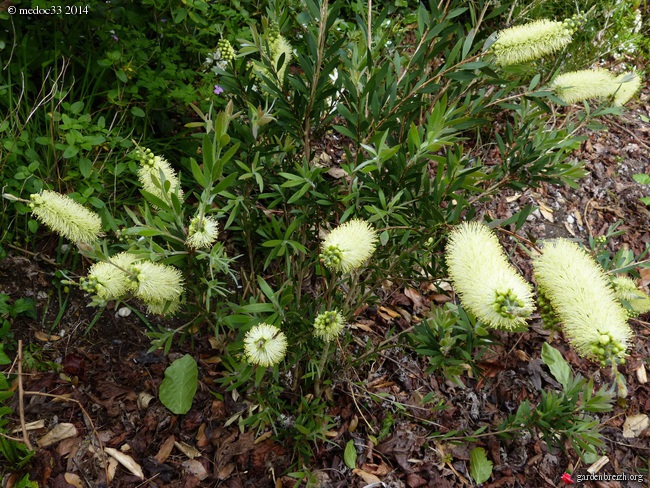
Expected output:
(277, 184)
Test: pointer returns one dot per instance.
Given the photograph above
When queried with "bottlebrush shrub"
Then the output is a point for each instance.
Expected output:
(593, 320)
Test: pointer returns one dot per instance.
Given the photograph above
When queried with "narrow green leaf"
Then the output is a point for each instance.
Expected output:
(480, 467)
(560, 369)
(350, 455)
(179, 385)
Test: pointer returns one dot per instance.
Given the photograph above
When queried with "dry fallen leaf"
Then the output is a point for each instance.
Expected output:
(188, 450)
(546, 212)
(144, 399)
(366, 477)
(166, 449)
(195, 468)
(42, 336)
(36, 425)
(126, 461)
(635, 424)
(73, 479)
(57, 434)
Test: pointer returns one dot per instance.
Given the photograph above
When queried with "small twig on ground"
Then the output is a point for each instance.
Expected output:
(21, 398)
(630, 133)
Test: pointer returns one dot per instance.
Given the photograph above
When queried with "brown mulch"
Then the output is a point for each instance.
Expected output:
(108, 383)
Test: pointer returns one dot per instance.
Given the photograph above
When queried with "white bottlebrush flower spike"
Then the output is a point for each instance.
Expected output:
(202, 232)
(167, 308)
(630, 83)
(65, 216)
(110, 280)
(155, 282)
(594, 322)
(265, 345)
(328, 325)
(576, 86)
(530, 41)
(349, 245)
(149, 175)
(487, 283)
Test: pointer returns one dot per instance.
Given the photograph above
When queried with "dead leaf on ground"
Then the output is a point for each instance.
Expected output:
(366, 477)
(188, 450)
(57, 434)
(166, 449)
(73, 479)
(635, 424)
(126, 461)
(43, 337)
(195, 468)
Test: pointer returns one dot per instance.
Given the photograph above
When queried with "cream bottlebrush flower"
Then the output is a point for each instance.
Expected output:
(109, 280)
(149, 175)
(265, 345)
(349, 245)
(65, 216)
(167, 308)
(202, 232)
(329, 325)
(594, 322)
(281, 46)
(530, 41)
(155, 282)
(487, 283)
(577, 86)
(630, 83)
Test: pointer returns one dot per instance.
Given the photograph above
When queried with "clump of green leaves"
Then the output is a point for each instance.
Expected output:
(565, 415)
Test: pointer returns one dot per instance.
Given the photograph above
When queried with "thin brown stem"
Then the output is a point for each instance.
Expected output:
(21, 398)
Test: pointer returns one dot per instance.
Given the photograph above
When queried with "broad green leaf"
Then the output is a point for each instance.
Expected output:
(137, 112)
(560, 369)
(179, 385)
(350, 455)
(642, 178)
(480, 467)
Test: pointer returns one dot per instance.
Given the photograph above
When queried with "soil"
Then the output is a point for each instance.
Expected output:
(106, 383)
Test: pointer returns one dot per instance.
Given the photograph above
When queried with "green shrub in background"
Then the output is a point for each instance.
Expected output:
(304, 240)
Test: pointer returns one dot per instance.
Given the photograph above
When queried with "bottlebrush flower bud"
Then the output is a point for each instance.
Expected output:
(155, 282)
(202, 232)
(265, 345)
(530, 41)
(65, 216)
(349, 245)
(487, 283)
(149, 175)
(594, 322)
(576, 86)
(329, 325)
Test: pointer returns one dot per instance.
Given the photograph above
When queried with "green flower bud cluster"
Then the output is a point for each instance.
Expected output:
(273, 33)
(634, 301)
(146, 156)
(331, 256)
(601, 240)
(574, 23)
(549, 318)
(608, 351)
(509, 306)
(226, 50)
(328, 325)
